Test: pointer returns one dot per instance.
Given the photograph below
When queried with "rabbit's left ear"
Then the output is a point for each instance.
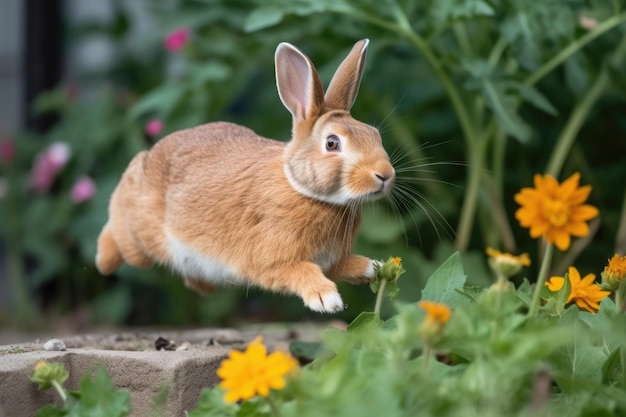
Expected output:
(299, 85)
(344, 86)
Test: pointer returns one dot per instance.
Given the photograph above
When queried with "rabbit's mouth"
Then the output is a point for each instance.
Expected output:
(381, 192)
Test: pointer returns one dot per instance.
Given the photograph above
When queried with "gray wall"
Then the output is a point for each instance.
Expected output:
(11, 29)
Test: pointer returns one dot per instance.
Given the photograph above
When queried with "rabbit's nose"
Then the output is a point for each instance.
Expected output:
(385, 178)
(381, 177)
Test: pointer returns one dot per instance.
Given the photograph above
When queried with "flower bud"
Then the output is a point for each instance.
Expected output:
(389, 272)
(437, 315)
(46, 373)
(614, 273)
(505, 264)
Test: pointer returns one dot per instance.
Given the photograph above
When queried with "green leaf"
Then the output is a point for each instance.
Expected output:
(263, 17)
(445, 12)
(256, 407)
(211, 71)
(504, 107)
(333, 338)
(211, 404)
(160, 101)
(444, 284)
(580, 359)
(524, 292)
(305, 350)
(365, 321)
(51, 411)
(534, 97)
(613, 369)
(99, 398)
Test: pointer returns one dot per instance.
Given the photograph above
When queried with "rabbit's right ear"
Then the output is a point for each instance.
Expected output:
(299, 86)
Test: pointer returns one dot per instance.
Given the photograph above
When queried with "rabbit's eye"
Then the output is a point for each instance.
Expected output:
(333, 143)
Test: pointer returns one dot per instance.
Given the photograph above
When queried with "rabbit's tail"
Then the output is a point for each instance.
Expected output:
(108, 257)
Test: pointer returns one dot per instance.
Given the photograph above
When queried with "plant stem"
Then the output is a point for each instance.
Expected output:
(573, 47)
(24, 309)
(470, 200)
(453, 93)
(60, 390)
(620, 294)
(273, 406)
(620, 239)
(580, 113)
(426, 353)
(379, 297)
(541, 279)
(403, 28)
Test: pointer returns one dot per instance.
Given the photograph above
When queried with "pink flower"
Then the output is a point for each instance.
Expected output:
(83, 189)
(587, 22)
(7, 151)
(154, 127)
(176, 39)
(48, 164)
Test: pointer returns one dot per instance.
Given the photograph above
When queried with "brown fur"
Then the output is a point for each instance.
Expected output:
(222, 191)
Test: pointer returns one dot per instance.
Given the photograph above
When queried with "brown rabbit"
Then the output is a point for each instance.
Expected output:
(219, 204)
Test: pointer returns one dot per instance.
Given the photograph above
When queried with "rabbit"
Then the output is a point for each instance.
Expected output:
(220, 204)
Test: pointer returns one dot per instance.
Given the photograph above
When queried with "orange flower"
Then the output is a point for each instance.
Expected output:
(615, 272)
(555, 211)
(246, 374)
(584, 292)
(436, 312)
(554, 284)
(506, 263)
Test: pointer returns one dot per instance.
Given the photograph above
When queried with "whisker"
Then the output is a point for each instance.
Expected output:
(404, 180)
(381, 126)
(417, 199)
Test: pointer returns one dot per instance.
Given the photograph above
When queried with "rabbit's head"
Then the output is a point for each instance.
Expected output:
(331, 157)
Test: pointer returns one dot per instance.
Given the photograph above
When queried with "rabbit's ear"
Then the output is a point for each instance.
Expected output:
(299, 86)
(344, 86)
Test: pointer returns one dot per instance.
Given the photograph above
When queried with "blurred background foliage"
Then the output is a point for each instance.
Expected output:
(472, 97)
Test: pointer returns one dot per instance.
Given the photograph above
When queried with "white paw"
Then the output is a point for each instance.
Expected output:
(370, 271)
(329, 302)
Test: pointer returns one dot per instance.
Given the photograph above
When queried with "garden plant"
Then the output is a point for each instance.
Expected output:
(472, 98)
(505, 122)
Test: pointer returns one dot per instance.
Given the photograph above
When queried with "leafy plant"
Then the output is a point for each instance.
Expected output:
(96, 396)
(490, 358)
(472, 98)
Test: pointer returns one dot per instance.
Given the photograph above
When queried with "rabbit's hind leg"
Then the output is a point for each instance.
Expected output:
(108, 256)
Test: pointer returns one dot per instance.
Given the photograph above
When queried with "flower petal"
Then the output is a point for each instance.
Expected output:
(555, 283)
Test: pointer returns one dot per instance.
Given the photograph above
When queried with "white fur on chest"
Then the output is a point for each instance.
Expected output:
(192, 264)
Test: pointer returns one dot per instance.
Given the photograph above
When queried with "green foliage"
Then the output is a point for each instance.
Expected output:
(95, 398)
(448, 82)
(491, 360)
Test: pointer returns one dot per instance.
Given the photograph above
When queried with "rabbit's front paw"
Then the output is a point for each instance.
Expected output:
(371, 269)
(329, 302)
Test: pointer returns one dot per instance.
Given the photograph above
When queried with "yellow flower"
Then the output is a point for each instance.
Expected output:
(246, 374)
(48, 373)
(584, 292)
(435, 312)
(555, 211)
(615, 272)
(506, 264)
(437, 315)
(555, 283)
(397, 261)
